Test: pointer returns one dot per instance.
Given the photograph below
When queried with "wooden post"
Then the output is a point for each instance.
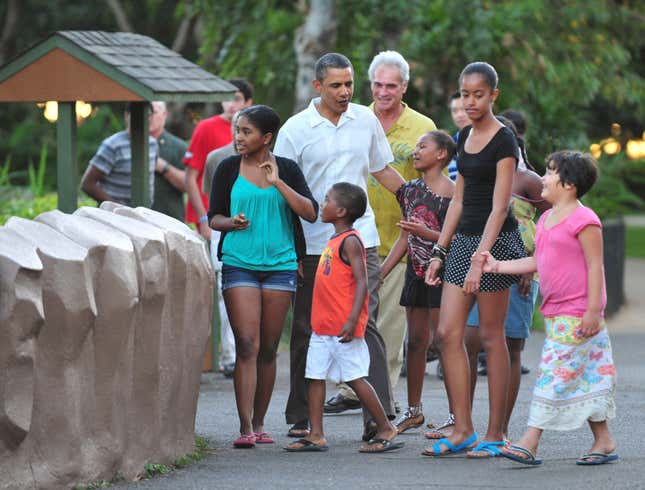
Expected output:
(67, 168)
(140, 154)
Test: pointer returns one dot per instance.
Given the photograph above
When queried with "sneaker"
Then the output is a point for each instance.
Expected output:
(229, 370)
(339, 404)
(409, 421)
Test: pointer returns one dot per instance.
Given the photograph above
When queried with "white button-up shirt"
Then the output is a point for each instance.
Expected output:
(328, 153)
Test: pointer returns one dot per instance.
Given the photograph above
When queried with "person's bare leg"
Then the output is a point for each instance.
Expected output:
(419, 326)
(275, 305)
(243, 305)
(492, 312)
(473, 347)
(450, 341)
(369, 400)
(603, 442)
(515, 347)
(315, 400)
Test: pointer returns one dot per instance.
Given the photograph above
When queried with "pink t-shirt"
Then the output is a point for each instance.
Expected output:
(561, 264)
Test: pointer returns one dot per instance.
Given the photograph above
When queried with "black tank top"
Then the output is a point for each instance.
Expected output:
(479, 171)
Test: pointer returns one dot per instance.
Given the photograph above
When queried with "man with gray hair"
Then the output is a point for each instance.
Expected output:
(389, 74)
(169, 171)
(334, 140)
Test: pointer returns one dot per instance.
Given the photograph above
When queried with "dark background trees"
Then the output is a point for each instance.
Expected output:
(574, 67)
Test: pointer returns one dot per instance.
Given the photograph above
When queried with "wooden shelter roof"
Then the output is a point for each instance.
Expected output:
(107, 66)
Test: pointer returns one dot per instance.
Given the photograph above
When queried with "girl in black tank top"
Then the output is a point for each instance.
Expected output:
(478, 220)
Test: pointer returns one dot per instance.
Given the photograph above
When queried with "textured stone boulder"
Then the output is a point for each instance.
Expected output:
(21, 317)
(104, 319)
(113, 269)
(185, 326)
(62, 410)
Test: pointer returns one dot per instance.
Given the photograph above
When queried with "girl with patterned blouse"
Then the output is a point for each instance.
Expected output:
(424, 202)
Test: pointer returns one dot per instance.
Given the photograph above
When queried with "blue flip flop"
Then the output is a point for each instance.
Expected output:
(530, 459)
(452, 449)
(593, 459)
(488, 447)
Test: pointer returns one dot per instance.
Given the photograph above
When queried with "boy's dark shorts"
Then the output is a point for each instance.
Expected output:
(416, 293)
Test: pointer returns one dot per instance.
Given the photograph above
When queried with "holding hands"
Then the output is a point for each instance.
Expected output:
(489, 263)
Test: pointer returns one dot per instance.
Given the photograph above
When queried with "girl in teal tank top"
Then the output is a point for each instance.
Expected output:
(256, 207)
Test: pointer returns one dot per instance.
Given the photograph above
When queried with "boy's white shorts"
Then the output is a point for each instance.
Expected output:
(327, 358)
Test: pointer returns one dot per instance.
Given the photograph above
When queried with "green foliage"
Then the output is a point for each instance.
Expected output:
(633, 173)
(153, 469)
(252, 39)
(202, 450)
(150, 470)
(20, 202)
(37, 177)
(4, 172)
(610, 197)
(635, 242)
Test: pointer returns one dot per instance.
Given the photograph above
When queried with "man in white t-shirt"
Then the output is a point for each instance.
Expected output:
(334, 140)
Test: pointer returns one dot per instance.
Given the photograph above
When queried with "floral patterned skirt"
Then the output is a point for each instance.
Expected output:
(576, 378)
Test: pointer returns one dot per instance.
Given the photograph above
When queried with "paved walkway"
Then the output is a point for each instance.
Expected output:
(344, 467)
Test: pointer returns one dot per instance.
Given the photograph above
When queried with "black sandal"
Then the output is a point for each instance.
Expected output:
(299, 429)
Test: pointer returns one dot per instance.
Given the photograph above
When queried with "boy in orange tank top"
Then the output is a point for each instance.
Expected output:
(337, 349)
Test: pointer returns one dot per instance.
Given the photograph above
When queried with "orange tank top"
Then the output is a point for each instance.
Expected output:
(334, 290)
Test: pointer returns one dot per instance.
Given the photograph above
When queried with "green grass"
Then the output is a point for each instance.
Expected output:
(635, 242)
(202, 450)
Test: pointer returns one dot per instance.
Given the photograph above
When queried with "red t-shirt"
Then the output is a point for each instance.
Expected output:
(334, 289)
(210, 134)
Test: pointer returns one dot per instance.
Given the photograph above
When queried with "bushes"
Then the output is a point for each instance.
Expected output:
(620, 184)
(19, 201)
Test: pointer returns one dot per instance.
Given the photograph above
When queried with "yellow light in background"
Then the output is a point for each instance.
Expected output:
(611, 147)
(595, 150)
(83, 109)
(615, 129)
(51, 111)
(635, 149)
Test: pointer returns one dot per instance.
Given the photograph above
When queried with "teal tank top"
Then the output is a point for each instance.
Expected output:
(268, 243)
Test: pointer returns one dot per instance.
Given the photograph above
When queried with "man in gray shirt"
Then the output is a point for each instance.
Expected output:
(109, 174)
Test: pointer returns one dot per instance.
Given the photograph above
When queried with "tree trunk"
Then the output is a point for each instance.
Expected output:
(120, 16)
(7, 41)
(314, 38)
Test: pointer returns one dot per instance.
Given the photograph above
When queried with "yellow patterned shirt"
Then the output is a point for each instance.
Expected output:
(402, 136)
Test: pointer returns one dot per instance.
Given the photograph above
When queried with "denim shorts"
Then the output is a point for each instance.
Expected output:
(519, 315)
(233, 277)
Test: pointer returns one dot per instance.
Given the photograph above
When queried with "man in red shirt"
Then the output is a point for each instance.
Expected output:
(210, 134)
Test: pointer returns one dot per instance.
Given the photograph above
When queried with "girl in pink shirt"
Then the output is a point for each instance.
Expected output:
(576, 377)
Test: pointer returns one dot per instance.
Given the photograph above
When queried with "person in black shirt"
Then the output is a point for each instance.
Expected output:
(478, 219)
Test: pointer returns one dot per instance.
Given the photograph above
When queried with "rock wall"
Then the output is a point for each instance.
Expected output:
(104, 321)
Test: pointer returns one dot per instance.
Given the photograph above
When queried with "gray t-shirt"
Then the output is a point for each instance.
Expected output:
(114, 159)
(213, 159)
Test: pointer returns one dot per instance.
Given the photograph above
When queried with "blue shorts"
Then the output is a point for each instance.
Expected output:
(233, 277)
(519, 316)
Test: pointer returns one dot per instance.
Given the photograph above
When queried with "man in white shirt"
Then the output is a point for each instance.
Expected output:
(334, 140)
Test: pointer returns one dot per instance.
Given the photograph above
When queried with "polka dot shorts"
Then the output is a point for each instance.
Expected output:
(508, 246)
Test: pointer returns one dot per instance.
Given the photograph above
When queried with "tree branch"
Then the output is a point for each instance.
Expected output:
(9, 29)
(121, 18)
(183, 32)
